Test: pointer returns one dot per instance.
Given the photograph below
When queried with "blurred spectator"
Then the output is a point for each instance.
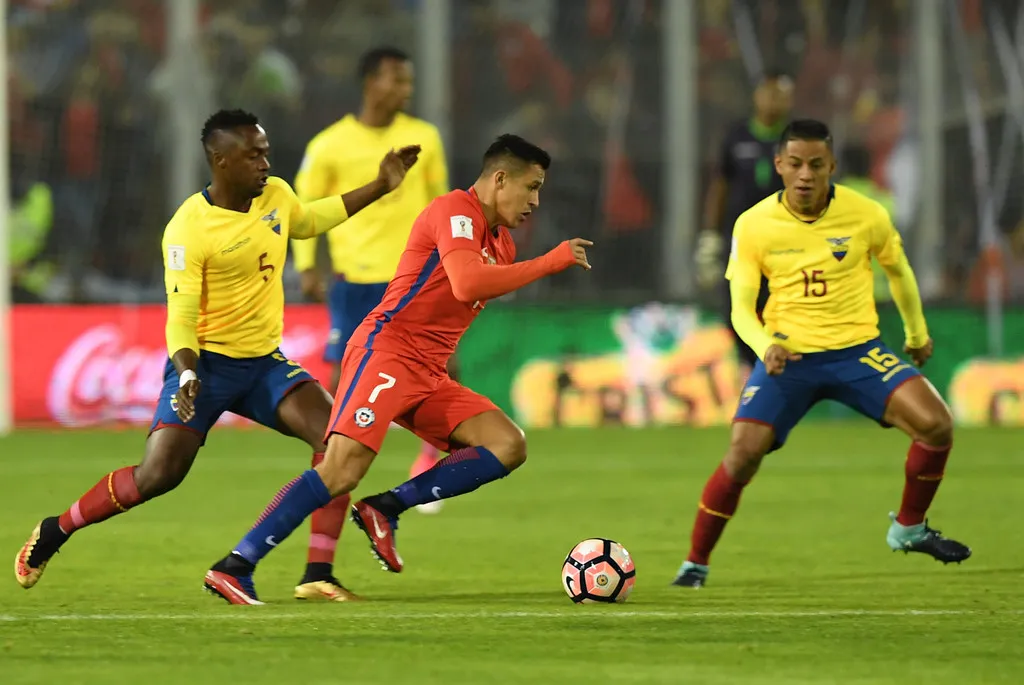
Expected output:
(29, 224)
(855, 173)
(1005, 264)
(89, 112)
(744, 175)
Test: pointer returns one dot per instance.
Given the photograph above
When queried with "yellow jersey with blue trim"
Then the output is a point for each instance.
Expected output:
(347, 155)
(234, 262)
(819, 272)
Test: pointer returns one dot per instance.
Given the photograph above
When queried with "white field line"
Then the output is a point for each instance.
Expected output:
(254, 614)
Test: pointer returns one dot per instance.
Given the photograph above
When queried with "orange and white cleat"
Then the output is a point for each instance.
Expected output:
(330, 590)
(26, 575)
(33, 556)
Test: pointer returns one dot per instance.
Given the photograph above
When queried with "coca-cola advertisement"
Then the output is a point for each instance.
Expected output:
(80, 366)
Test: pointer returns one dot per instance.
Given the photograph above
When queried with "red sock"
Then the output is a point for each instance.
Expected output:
(718, 503)
(325, 526)
(924, 469)
(115, 494)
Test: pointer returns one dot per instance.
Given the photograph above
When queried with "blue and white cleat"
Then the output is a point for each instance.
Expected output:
(692, 575)
(921, 538)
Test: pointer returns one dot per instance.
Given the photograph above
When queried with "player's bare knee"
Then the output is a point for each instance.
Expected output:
(169, 456)
(747, 448)
(937, 428)
(509, 447)
(155, 478)
(305, 413)
(742, 462)
(345, 463)
(337, 473)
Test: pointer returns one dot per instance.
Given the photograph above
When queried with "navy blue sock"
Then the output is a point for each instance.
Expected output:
(285, 513)
(458, 473)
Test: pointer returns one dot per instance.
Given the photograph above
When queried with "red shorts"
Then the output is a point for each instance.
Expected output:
(377, 388)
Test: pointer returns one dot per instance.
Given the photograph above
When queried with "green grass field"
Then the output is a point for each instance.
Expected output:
(803, 588)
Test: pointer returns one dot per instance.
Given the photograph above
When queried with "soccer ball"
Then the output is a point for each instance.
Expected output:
(598, 570)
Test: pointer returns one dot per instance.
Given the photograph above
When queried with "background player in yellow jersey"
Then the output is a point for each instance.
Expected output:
(224, 253)
(814, 241)
(365, 253)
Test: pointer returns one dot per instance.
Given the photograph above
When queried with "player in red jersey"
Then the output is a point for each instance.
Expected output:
(459, 255)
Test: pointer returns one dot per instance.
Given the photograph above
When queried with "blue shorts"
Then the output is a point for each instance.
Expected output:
(862, 377)
(348, 304)
(252, 388)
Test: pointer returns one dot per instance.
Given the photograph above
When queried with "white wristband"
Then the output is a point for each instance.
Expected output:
(186, 376)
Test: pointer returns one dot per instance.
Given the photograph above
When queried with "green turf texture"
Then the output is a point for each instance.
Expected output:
(803, 588)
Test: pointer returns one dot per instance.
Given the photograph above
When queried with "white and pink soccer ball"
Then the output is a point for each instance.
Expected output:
(598, 570)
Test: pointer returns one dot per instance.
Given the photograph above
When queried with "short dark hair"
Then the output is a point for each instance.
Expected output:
(371, 60)
(227, 120)
(510, 146)
(806, 129)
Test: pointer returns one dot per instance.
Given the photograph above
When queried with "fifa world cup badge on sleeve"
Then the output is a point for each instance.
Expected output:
(462, 227)
(176, 257)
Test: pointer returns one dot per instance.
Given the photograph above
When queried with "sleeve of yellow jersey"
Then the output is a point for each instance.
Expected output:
(437, 168)
(744, 275)
(313, 182)
(184, 258)
(887, 247)
(310, 219)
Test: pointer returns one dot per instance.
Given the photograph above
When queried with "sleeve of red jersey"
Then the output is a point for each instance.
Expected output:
(459, 241)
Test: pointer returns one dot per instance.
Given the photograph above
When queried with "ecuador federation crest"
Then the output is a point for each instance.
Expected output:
(839, 247)
(271, 219)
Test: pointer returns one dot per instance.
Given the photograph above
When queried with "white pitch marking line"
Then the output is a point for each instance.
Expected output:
(262, 615)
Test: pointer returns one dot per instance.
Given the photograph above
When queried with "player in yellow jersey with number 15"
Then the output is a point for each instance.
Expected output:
(814, 242)
(365, 252)
(224, 252)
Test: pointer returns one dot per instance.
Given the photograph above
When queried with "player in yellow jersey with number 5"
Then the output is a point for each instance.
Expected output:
(814, 242)
(365, 253)
(224, 252)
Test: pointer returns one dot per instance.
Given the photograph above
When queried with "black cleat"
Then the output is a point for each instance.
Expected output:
(932, 543)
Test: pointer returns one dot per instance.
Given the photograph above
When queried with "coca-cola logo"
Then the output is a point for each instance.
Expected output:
(100, 379)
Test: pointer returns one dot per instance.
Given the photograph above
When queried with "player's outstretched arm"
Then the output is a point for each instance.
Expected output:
(887, 246)
(184, 262)
(183, 348)
(744, 276)
(472, 280)
(744, 318)
(750, 330)
(907, 296)
(313, 218)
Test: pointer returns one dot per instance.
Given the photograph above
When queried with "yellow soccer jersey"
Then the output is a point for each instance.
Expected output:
(232, 262)
(347, 155)
(819, 273)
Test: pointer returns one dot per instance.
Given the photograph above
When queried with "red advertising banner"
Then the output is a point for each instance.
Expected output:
(88, 365)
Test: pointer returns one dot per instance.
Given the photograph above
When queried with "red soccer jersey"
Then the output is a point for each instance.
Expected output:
(420, 316)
